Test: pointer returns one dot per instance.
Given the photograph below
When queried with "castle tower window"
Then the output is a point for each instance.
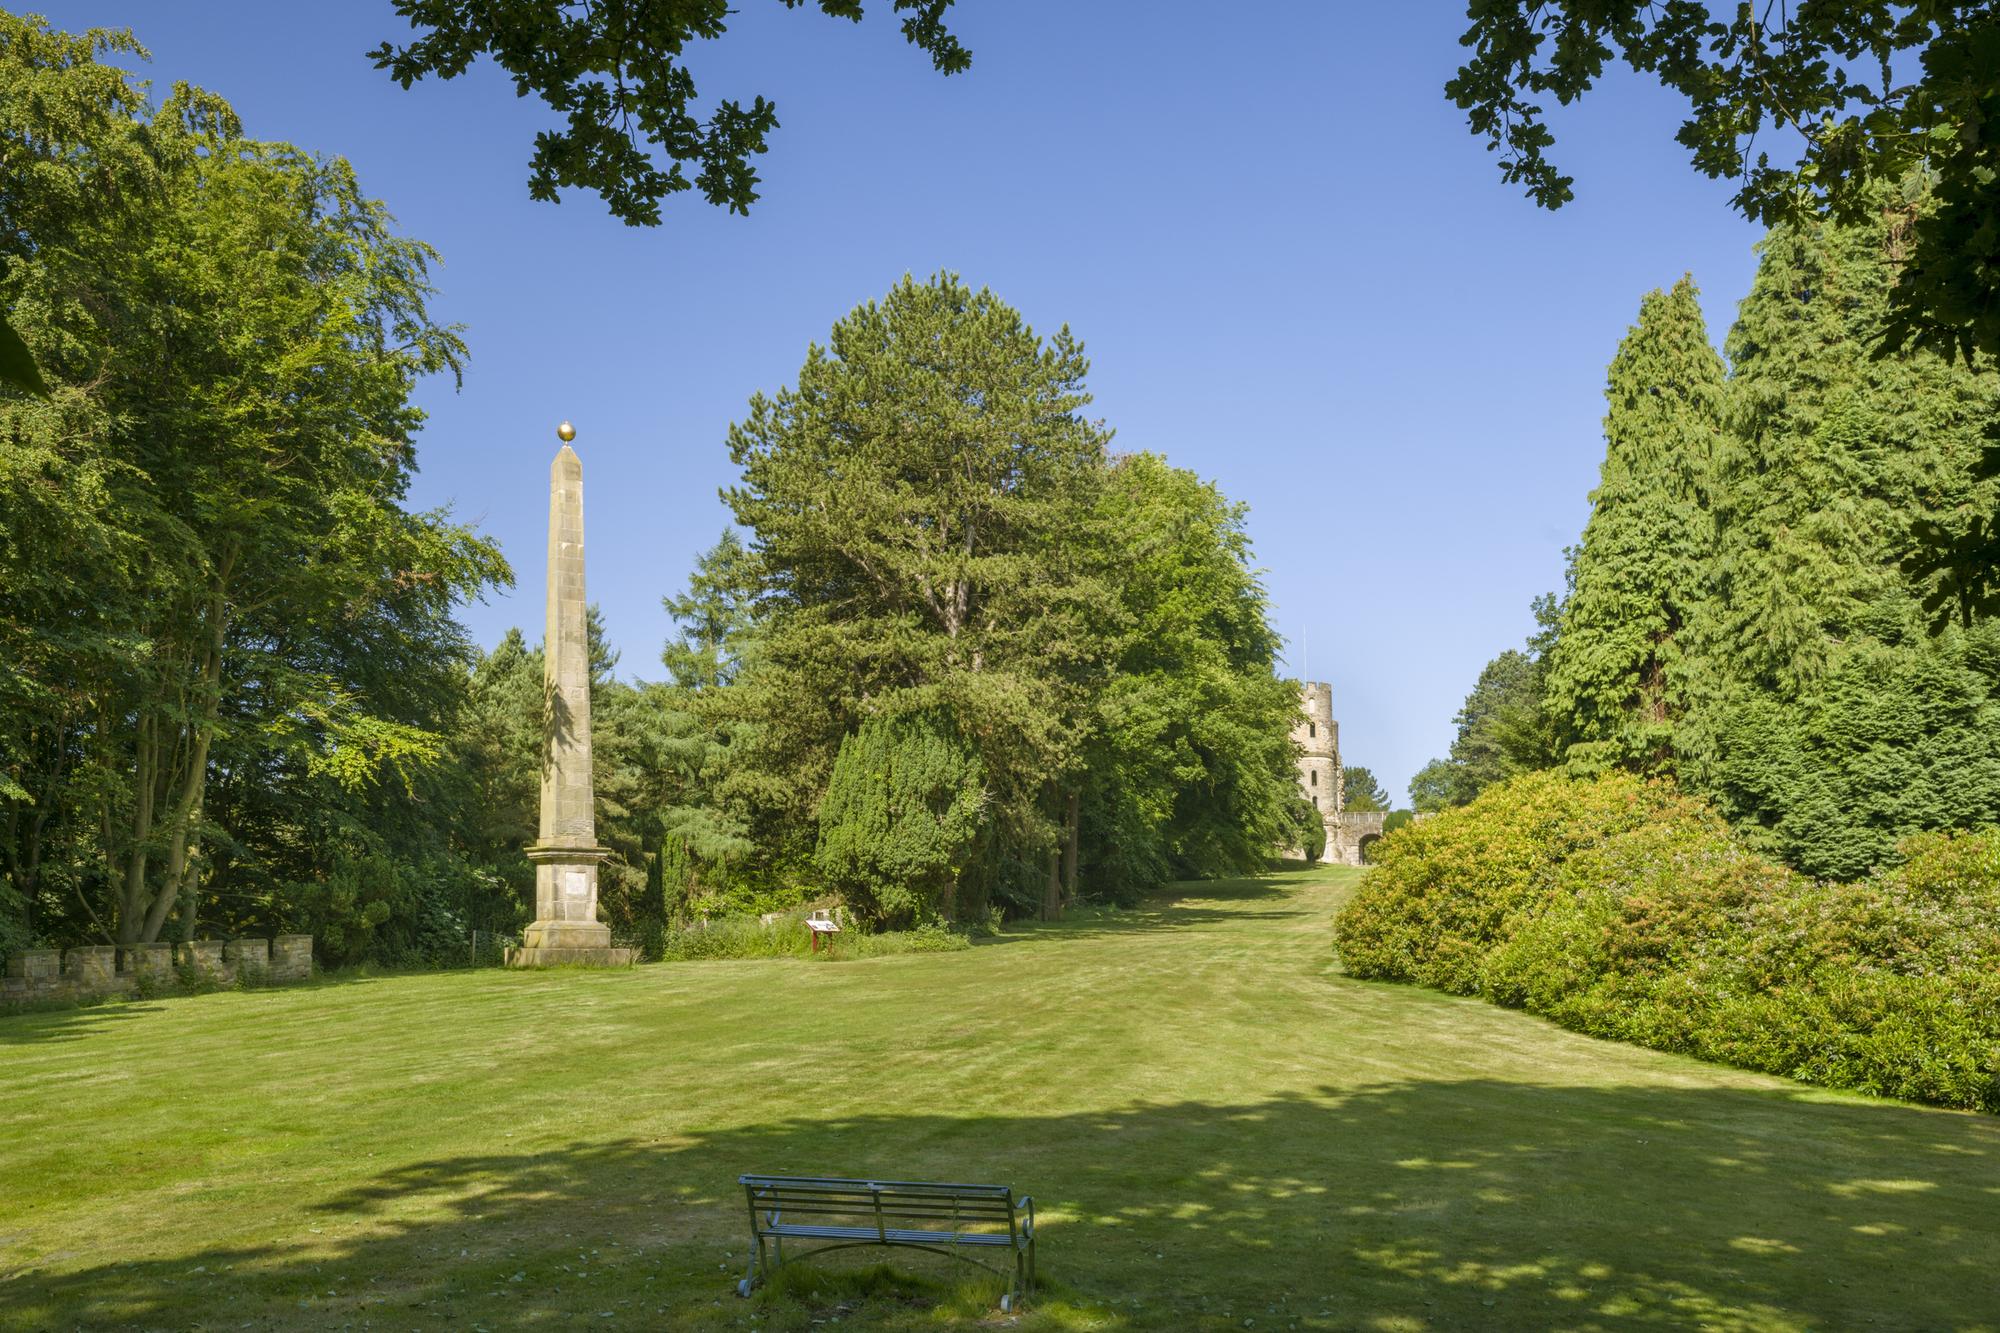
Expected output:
(1315, 802)
(1314, 775)
(1312, 729)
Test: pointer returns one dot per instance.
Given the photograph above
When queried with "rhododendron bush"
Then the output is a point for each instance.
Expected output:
(1627, 909)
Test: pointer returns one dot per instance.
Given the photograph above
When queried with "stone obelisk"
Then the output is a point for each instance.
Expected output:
(566, 855)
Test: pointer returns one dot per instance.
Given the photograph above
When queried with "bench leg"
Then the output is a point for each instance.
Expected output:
(1019, 1286)
(749, 1281)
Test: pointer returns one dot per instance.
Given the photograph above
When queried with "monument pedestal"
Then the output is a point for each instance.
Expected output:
(569, 944)
(530, 956)
(566, 930)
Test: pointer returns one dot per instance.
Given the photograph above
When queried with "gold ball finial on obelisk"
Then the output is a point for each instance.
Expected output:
(565, 432)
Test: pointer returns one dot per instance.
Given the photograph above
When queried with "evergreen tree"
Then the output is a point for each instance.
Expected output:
(1615, 684)
(922, 506)
(1363, 790)
(1826, 720)
(715, 616)
(903, 811)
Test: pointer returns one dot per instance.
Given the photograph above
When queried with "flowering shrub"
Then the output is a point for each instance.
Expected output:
(1629, 911)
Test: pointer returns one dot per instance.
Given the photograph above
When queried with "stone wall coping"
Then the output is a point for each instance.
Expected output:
(87, 971)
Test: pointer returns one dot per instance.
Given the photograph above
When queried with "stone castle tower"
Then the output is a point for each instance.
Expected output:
(1318, 737)
(1322, 782)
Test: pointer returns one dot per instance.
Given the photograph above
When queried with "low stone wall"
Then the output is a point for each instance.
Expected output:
(98, 969)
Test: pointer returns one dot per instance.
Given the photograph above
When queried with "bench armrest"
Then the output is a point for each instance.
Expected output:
(1026, 1204)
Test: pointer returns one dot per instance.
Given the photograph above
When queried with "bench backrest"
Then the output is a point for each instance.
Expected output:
(930, 1202)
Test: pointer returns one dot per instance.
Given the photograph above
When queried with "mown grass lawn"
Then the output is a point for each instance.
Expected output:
(1221, 1131)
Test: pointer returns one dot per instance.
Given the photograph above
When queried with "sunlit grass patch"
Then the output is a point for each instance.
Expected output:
(1216, 1127)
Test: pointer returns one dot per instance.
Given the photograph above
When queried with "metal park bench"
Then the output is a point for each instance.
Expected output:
(829, 1213)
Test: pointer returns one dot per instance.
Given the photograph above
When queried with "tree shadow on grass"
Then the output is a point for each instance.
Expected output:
(1406, 1206)
(68, 1021)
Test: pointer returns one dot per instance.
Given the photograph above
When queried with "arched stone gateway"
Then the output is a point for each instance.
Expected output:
(1359, 828)
(1318, 739)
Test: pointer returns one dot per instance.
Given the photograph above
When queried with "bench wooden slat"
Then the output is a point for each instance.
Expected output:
(912, 1196)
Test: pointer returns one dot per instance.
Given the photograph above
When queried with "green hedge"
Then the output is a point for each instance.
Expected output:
(1628, 910)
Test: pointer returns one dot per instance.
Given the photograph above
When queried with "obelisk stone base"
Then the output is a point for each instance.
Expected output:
(569, 944)
(566, 930)
(526, 956)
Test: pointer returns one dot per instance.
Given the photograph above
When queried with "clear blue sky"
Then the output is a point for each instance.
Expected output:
(1295, 271)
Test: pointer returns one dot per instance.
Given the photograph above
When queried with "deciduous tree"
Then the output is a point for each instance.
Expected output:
(1859, 94)
(232, 344)
(616, 71)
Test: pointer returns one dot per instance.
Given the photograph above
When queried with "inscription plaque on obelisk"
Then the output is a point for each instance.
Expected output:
(566, 854)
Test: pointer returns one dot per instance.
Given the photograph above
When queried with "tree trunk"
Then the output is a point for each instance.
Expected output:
(190, 914)
(1052, 890)
(1069, 847)
(143, 914)
(132, 902)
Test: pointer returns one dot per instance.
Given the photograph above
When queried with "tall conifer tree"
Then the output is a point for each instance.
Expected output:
(1615, 676)
(1827, 720)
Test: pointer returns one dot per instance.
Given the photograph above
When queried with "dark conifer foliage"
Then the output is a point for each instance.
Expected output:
(1827, 718)
(1616, 673)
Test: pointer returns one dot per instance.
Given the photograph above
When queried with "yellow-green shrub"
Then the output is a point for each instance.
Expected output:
(1631, 912)
(1443, 891)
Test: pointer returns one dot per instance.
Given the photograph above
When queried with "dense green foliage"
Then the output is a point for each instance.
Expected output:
(1630, 911)
(903, 812)
(1361, 790)
(935, 531)
(1616, 674)
(1739, 611)
(1189, 767)
(1827, 722)
(227, 656)
(617, 74)
(922, 506)
(233, 693)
